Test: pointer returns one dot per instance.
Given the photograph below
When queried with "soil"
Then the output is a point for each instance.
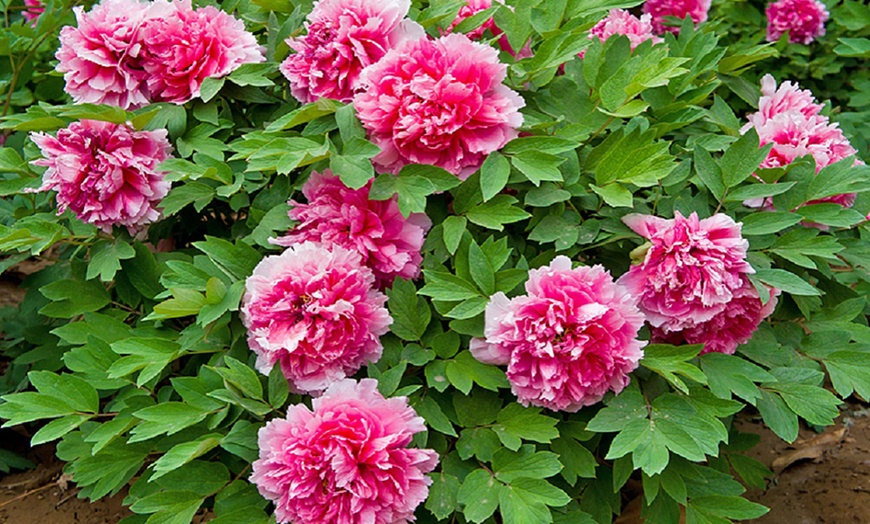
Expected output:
(820, 479)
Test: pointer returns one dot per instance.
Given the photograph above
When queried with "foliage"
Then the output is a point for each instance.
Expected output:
(130, 353)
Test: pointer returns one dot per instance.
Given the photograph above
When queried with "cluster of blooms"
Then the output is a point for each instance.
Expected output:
(692, 283)
(439, 102)
(659, 9)
(621, 22)
(789, 118)
(347, 461)
(127, 53)
(568, 341)
(105, 173)
(388, 243)
(804, 20)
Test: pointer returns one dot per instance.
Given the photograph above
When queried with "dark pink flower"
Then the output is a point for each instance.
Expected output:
(690, 271)
(34, 8)
(439, 102)
(184, 46)
(659, 9)
(621, 22)
(344, 37)
(803, 19)
(345, 462)
(729, 328)
(388, 242)
(568, 341)
(101, 57)
(105, 173)
(313, 310)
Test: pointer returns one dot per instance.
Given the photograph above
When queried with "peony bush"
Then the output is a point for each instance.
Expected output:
(381, 262)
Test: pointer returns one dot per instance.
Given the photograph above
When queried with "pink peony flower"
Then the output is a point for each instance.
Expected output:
(803, 19)
(101, 57)
(344, 37)
(621, 22)
(438, 102)
(313, 311)
(659, 9)
(388, 243)
(728, 329)
(568, 341)
(345, 462)
(690, 271)
(105, 173)
(790, 119)
(33, 8)
(184, 46)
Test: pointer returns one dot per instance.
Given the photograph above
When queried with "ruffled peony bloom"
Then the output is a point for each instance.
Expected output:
(105, 173)
(659, 9)
(345, 462)
(568, 341)
(728, 329)
(621, 22)
(344, 37)
(101, 57)
(439, 102)
(690, 271)
(790, 119)
(183, 46)
(388, 243)
(313, 311)
(803, 19)
(33, 8)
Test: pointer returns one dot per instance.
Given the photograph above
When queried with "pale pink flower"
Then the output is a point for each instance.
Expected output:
(659, 9)
(184, 46)
(803, 19)
(690, 271)
(345, 462)
(105, 173)
(101, 57)
(344, 37)
(388, 243)
(727, 329)
(313, 311)
(34, 8)
(568, 341)
(439, 102)
(621, 22)
(789, 97)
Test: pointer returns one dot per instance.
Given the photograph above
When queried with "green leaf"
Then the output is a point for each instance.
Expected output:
(481, 269)
(577, 460)
(497, 212)
(279, 389)
(441, 285)
(759, 190)
(709, 173)
(443, 492)
(186, 302)
(242, 377)
(525, 463)
(150, 355)
(766, 223)
(427, 408)
(464, 370)
(538, 166)
(670, 361)
(850, 372)
(253, 74)
(19, 408)
(636, 158)
(165, 418)
(57, 428)
(614, 195)
(517, 423)
(814, 404)
(777, 415)
(727, 374)
(494, 175)
(742, 158)
(479, 495)
(197, 193)
(106, 258)
(786, 281)
(853, 47)
(182, 453)
(236, 260)
(73, 297)
(411, 314)
(453, 229)
(736, 508)
(76, 392)
(305, 114)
